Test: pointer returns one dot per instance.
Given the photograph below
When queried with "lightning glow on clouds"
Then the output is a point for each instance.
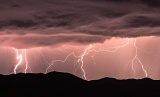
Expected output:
(89, 38)
(120, 58)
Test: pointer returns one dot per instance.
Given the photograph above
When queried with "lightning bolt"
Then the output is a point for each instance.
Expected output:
(25, 56)
(112, 49)
(136, 58)
(20, 58)
(80, 59)
(53, 62)
(122, 46)
(82, 62)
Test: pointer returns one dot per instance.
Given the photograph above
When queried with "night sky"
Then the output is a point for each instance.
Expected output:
(91, 39)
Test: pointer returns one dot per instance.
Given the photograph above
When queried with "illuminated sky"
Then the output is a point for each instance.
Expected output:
(89, 38)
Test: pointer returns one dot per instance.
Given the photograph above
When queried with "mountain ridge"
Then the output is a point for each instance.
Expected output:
(65, 84)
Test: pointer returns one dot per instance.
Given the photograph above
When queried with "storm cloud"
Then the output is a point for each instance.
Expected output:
(31, 23)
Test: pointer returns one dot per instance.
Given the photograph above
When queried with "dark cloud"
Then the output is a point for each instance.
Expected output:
(142, 21)
(148, 2)
(90, 20)
(29, 41)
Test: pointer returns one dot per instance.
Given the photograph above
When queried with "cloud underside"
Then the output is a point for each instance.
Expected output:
(35, 23)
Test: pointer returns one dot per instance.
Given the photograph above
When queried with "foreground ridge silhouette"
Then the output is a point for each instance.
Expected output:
(56, 84)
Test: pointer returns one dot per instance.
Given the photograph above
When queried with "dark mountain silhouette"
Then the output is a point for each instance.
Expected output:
(57, 84)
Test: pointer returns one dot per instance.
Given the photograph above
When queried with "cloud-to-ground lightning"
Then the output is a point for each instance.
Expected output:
(136, 58)
(122, 46)
(25, 56)
(19, 59)
(91, 50)
(21, 55)
(82, 62)
(80, 59)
